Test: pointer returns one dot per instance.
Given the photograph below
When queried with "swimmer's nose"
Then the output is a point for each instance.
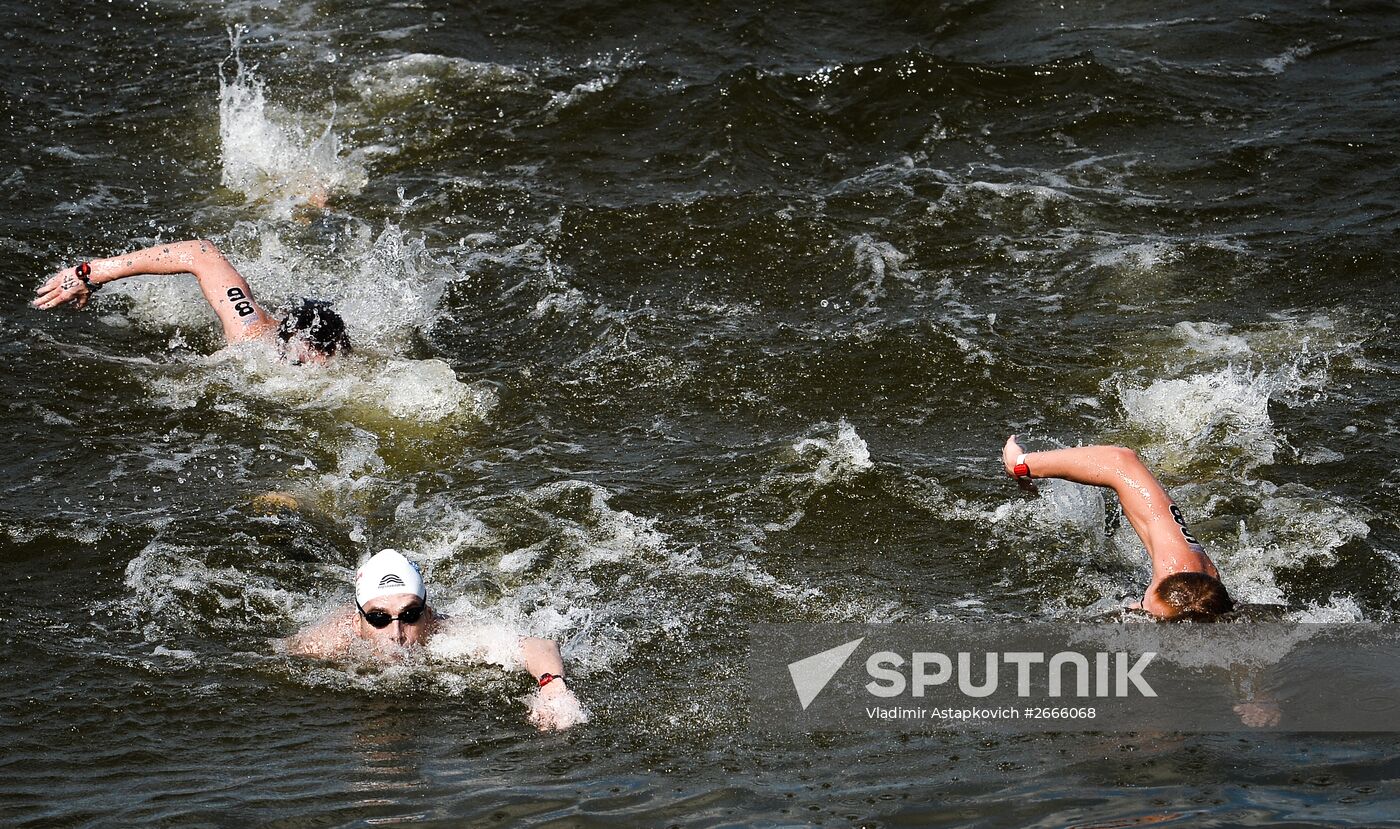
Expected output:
(399, 637)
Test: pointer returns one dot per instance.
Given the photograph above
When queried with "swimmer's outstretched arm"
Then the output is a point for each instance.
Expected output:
(224, 288)
(1148, 506)
(329, 638)
(556, 707)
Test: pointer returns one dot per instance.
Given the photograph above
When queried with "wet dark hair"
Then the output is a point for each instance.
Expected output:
(322, 328)
(1194, 597)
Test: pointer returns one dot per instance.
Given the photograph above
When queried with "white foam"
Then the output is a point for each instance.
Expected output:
(1289, 531)
(370, 389)
(1212, 339)
(611, 66)
(387, 285)
(581, 90)
(418, 75)
(1291, 55)
(1141, 256)
(1227, 378)
(839, 458)
(476, 640)
(556, 713)
(606, 535)
(169, 581)
(1229, 407)
(565, 303)
(875, 259)
(1040, 194)
(1339, 609)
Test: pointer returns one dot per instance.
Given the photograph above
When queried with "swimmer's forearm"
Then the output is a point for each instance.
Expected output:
(1110, 466)
(541, 656)
(325, 639)
(196, 256)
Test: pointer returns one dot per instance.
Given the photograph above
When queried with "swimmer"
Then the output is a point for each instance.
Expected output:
(274, 502)
(308, 332)
(1185, 585)
(391, 616)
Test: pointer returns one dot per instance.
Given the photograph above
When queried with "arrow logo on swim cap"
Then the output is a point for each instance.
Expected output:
(810, 675)
(390, 579)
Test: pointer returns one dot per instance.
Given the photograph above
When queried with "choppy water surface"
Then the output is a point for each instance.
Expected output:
(674, 319)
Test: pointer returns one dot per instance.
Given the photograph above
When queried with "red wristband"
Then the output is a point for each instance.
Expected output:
(83, 271)
(1020, 470)
(547, 678)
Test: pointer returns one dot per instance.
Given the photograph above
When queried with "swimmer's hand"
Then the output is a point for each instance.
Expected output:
(62, 288)
(1259, 713)
(1009, 453)
(554, 708)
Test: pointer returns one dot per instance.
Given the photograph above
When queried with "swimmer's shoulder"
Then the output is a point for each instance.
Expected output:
(330, 638)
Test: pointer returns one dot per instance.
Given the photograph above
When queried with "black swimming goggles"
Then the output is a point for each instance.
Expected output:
(381, 618)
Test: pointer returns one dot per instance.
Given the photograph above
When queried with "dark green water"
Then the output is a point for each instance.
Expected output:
(673, 320)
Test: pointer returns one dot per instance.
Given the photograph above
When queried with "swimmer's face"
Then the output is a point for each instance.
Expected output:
(299, 352)
(397, 632)
(1154, 605)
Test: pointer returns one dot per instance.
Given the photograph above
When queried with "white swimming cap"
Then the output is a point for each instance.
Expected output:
(387, 572)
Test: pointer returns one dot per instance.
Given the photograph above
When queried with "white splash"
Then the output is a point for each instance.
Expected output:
(273, 154)
(1229, 406)
(839, 458)
(422, 391)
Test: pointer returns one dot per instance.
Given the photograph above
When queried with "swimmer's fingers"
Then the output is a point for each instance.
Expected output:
(45, 291)
(61, 288)
(1009, 453)
(54, 300)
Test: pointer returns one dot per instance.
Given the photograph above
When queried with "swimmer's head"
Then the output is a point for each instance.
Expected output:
(312, 330)
(1191, 597)
(392, 601)
(387, 572)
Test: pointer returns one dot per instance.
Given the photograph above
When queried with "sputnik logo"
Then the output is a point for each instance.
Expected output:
(811, 675)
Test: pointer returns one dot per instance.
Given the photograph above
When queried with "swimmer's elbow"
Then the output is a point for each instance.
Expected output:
(206, 251)
(1123, 457)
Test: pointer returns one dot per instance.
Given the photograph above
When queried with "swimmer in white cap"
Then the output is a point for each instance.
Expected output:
(391, 615)
(307, 332)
